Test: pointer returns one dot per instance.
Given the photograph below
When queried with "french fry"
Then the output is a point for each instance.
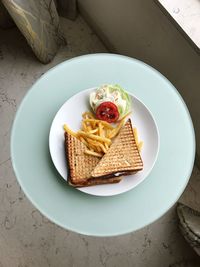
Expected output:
(96, 154)
(93, 148)
(88, 114)
(83, 115)
(84, 127)
(107, 132)
(67, 129)
(88, 126)
(99, 146)
(104, 150)
(106, 146)
(91, 145)
(83, 141)
(95, 144)
(115, 131)
(140, 145)
(104, 123)
(93, 131)
(96, 134)
(95, 137)
(92, 142)
(107, 125)
(93, 124)
(100, 129)
(135, 132)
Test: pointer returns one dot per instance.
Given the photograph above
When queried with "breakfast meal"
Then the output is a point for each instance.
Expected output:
(107, 147)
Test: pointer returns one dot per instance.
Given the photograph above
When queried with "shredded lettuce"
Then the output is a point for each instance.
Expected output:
(126, 97)
(122, 101)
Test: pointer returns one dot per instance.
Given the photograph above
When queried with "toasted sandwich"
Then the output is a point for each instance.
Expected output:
(122, 158)
(81, 165)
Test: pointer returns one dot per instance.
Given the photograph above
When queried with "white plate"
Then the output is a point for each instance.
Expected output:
(71, 114)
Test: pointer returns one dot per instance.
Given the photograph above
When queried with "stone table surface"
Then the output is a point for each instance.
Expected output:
(27, 238)
(187, 15)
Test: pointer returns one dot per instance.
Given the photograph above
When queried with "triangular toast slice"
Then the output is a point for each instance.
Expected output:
(122, 158)
(81, 165)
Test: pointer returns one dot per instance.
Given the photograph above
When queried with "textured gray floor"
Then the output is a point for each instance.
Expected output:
(29, 239)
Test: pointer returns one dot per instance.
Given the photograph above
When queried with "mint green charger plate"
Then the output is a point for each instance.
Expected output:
(75, 210)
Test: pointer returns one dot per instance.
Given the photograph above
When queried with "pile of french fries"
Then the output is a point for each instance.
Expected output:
(97, 134)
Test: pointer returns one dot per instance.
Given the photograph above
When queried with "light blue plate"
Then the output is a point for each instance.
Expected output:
(80, 212)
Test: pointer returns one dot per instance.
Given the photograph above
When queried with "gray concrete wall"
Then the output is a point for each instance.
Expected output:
(139, 29)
